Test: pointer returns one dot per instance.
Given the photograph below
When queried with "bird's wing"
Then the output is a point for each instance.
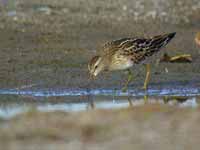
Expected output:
(117, 45)
(137, 49)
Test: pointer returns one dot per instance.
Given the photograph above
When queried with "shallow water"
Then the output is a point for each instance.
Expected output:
(14, 101)
(176, 91)
(10, 110)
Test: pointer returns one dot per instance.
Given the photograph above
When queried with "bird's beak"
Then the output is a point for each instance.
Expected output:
(92, 77)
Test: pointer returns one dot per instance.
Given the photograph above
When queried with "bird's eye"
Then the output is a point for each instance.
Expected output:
(95, 67)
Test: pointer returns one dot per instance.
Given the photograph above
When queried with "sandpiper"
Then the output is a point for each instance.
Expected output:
(124, 53)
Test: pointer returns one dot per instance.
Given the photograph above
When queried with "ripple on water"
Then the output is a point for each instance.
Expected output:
(111, 99)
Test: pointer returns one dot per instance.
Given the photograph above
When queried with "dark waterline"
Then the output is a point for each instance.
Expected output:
(180, 91)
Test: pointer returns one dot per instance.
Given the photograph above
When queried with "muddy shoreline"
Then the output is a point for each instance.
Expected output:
(52, 50)
(150, 126)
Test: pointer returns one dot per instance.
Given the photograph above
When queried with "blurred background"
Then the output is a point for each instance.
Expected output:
(45, 46)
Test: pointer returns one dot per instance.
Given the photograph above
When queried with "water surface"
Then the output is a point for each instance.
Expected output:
(14, 101)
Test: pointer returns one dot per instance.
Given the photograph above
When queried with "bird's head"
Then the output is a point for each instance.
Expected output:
(96, 65)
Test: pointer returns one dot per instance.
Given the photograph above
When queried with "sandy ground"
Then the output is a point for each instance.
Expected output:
(143, 127)
(49, 43)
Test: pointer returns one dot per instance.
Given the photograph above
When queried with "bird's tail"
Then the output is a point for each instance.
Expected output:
(159, 41)
(156, 42)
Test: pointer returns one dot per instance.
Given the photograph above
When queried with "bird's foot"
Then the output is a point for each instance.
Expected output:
(145, 87)
(125, 88)
(130, 78)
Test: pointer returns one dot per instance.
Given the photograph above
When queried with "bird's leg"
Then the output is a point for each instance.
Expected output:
(90, 105)
(146, 98)
(130, 77)
(130, 102)
(147, 78)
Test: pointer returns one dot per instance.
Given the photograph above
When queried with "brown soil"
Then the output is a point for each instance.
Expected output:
(142, 127)
(49, 44)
